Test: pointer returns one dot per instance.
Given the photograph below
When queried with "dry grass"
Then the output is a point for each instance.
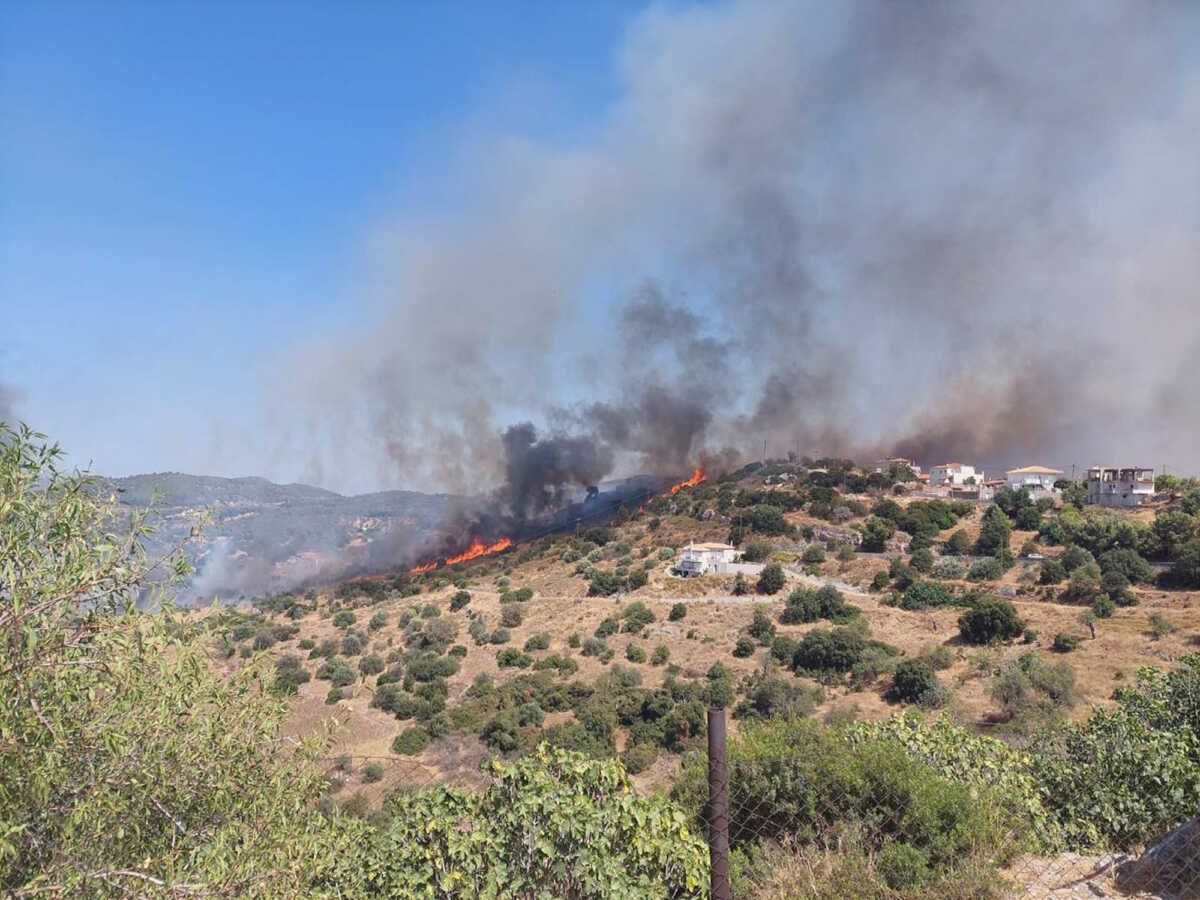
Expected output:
(715, 617)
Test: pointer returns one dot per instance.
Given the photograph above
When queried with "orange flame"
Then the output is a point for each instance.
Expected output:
(696, 478)
(477, 549)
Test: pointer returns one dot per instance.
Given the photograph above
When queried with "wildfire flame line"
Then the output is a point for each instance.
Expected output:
(696, 478)
(477, 549)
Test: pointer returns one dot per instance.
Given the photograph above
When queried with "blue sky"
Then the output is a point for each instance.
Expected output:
(186, 188)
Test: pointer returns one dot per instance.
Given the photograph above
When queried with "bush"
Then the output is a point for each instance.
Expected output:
(377, 621)
(797, 780)
(459, 600)
(994, 532)
(411, 741)
(990, 620)
(838, 650)
(757, 551)
(807, 605)
(635, 654)
(740, 586)
(915, 682)
(637, 616)
(511, 616)
(539, 641)
(771, 579)
(761, 628)
(743, 648)
(922, 560)
(989, 569)
(880, 581)
(958, 543)
(371, 665)
(1104, 779)
(607, 628)
(335, 694)
(814, 554)
(594, 646)
(925, 594)
(511, 657)
(526, 824)
(678, 612)
(519, 595)
(1053, 572)
(372, 772)
(1064, 643)
(343, 618)
(661, 654)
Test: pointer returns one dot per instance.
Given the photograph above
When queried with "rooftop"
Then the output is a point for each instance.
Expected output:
(1034, 470)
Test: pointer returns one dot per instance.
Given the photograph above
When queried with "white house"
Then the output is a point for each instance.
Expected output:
(1116, 486)
(954, 475)
(1037, 480)
(704, 559)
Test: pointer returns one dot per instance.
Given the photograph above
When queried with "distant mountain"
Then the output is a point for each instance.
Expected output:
(265, 537)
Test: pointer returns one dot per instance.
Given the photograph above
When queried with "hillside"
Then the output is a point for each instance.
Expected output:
(472, 654)
(264, 537)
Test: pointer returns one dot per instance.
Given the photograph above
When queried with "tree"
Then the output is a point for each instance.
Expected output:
(876, 534)
(994, 533)
(771, 579)
(127, 763)
(1185, 571)
(915, 682)
(989, 621)
(958, 543)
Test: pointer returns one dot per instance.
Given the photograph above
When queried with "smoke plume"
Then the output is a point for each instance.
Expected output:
(933, 229)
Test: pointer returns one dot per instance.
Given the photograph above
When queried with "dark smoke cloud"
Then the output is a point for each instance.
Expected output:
(932, 229)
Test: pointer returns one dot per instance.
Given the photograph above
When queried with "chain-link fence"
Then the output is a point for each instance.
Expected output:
(797, 813)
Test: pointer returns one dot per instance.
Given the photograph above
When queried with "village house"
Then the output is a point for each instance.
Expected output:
(704, 559)
(954, 475)
(1037, 480)
(1120, 486)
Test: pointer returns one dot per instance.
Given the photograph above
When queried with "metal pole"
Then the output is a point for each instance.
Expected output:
(718, 806)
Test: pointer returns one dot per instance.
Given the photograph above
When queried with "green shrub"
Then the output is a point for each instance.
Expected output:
(459, 600)
(761, 628)
(635, 654)
(756, 551)
(808, 605)
(411, 741)
(990, 620)
(519, 595)
(539, 641)
(922, 560)
(814, 554)
(987, 569)
(829, 651)
(525, 829)
(1053, 572)
(949, 567)
(500, 636)
(511, 616)
(343, 618)
(1105, 780)
(1064, 642)
(881, 580)
(925, 594)
(639, 757)
(661, 654)
(372, 772)
(637, 616)
(915, 682)
(744, 647)
(511, 657)
(796, 779)
(771, 580)
(678, 612)
(335, 694)
(377, 621)
(371, 665)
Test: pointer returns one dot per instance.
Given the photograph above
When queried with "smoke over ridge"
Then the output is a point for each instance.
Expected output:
(923, 228)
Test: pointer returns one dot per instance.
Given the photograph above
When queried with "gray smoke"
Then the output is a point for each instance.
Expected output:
(930, 228)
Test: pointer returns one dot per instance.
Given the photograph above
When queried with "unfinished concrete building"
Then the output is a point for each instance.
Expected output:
(1120, 485)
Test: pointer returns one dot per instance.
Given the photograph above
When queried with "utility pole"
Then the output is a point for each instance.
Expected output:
(764, 451)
